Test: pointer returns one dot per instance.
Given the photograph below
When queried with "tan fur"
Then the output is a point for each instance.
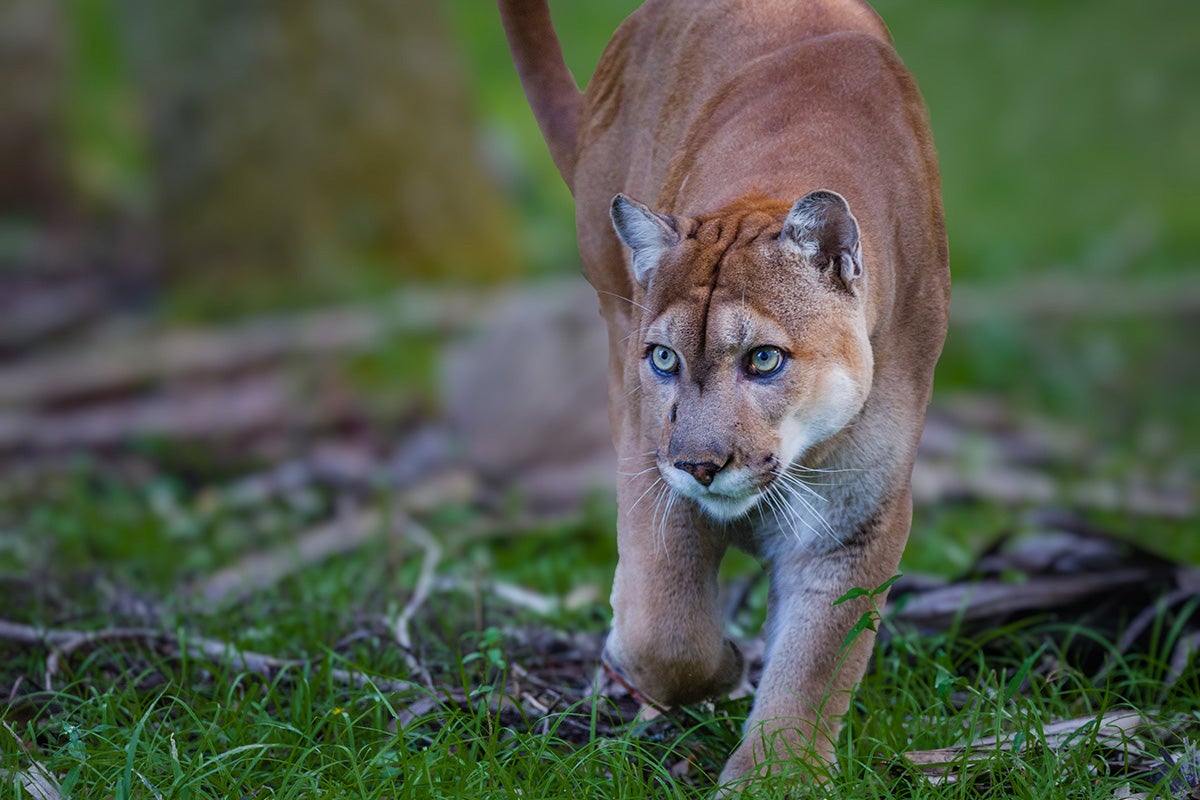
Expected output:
(721, 115)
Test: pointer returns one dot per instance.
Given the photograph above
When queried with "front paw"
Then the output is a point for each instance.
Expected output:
(743, 767)
(659, 677)
(783, 756)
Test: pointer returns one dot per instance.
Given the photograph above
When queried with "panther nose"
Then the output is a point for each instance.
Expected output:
(702, 471)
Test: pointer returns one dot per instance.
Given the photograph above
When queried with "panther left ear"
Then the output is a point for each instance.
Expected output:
(647, 234)
(821, 226)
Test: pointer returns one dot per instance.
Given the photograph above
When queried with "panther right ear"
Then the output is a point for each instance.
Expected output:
(822, 229)
(647, 234)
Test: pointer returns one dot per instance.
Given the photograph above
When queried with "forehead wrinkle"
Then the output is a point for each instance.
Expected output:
(748, 229)
(744, 326)
(714, 232)
(733, 327)
(717, 244)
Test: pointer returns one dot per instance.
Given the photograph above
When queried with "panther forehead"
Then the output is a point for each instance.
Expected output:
(732, 325)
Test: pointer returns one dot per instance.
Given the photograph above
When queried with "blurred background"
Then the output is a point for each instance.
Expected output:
(238, 237)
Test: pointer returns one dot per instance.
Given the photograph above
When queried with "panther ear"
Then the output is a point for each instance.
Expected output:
(647, 234)
(821, 226)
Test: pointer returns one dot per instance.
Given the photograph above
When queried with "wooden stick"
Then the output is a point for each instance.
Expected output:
(66, 641)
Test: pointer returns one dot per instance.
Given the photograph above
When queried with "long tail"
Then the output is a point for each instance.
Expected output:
(548, 84)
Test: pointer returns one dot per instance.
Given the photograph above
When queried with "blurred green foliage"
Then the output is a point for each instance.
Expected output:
(1066, 133)
(107, 144)
(1066, 130)
(1066, 136)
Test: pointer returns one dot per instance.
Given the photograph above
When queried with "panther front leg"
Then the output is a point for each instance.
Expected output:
(810, 670)
(667, 638)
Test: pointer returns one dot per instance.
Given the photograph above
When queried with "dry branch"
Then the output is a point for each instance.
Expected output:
(1114, 731)
(37, 780)
(66, 641)
(976, 600)
(935, 481)
(116, 365)
(260, 570)
(517, 597)
(244, 407)
(28, 316)
(401, 625)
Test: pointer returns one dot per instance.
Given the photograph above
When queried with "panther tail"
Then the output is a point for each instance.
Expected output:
(548, 84)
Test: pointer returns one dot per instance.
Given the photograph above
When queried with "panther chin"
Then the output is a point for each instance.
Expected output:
(723, 502)
(727, 509)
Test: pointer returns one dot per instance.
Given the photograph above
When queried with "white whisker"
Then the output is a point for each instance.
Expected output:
(787, 499)
(815, 470)
(789, 513)
(635, 332)
(661, 526)
(622, 297)
(657, 481)
(659, 496)
(650, 468)
(769, 497)
(797, 483)
(794, 484)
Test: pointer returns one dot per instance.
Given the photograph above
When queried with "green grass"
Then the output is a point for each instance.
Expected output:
(181, 728)
(131, 719)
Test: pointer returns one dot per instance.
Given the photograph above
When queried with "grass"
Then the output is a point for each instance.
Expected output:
(131, 719)
(187, 730)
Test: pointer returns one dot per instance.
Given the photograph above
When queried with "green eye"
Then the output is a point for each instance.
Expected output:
(664, 360)
(764, 361)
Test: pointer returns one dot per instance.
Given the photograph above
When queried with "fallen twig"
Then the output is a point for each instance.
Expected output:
(400, 626)
(1142, 623)
(66, 641)
(29, 316)
(238, 408)
(1113, 730)
(263, 569)
(937, 608)
(257, 571)
(515, 596)
(113, 365)
(1185, 649)
(37, 780)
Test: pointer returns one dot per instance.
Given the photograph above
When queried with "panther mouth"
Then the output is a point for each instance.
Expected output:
(725, 506)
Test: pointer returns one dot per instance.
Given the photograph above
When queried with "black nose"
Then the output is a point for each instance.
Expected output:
(703, 471)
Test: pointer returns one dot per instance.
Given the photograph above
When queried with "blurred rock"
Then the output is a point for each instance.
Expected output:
(526, 395)
(292, 141)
